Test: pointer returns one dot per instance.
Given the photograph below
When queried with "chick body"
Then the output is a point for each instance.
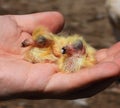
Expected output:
(78, 59)
(70, 53)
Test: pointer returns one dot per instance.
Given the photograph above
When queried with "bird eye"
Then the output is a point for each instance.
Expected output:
(41, 41)
(63, 50)
(78, 45)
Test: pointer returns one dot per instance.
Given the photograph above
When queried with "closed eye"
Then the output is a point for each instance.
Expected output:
(78, 45)
(42, 41)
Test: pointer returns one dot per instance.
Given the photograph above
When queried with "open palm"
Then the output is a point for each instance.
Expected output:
(21, 79)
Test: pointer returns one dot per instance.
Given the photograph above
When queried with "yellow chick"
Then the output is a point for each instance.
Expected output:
(70, 53)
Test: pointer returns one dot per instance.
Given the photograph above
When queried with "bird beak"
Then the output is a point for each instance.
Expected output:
(27, 42)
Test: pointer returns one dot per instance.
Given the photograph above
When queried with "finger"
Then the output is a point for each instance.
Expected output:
(116, 58)
(105, 53)
(63, 82)
(86, 92)
(101, 54)
(114, 49)
(95, 88)
(54, 21)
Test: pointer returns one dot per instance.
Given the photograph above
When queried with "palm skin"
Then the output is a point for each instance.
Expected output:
(21, 79)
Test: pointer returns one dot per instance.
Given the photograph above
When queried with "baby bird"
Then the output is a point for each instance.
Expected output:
(70, 53)
(41, 47)
(113, 10)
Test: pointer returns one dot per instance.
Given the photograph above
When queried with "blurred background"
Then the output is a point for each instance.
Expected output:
(85, 17)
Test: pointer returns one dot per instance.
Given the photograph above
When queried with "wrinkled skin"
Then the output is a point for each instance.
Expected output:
(21, 79)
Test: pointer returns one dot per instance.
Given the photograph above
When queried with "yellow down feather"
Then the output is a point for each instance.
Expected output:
(52, 51)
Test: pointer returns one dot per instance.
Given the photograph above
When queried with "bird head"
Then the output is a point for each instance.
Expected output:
(76, 47)
(42, 38)
(69, 46)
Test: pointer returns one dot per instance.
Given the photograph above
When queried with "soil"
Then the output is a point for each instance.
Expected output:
(85, 17)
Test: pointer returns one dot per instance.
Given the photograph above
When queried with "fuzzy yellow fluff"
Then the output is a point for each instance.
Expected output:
(70, 53)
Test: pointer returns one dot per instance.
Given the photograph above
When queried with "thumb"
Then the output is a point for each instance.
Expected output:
(54, 21)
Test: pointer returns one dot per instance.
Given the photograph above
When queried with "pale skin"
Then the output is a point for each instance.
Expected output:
(21, 79)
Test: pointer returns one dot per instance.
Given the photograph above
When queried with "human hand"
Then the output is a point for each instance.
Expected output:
(21, 79)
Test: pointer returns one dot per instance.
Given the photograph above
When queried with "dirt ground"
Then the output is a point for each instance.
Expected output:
(86, 17)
